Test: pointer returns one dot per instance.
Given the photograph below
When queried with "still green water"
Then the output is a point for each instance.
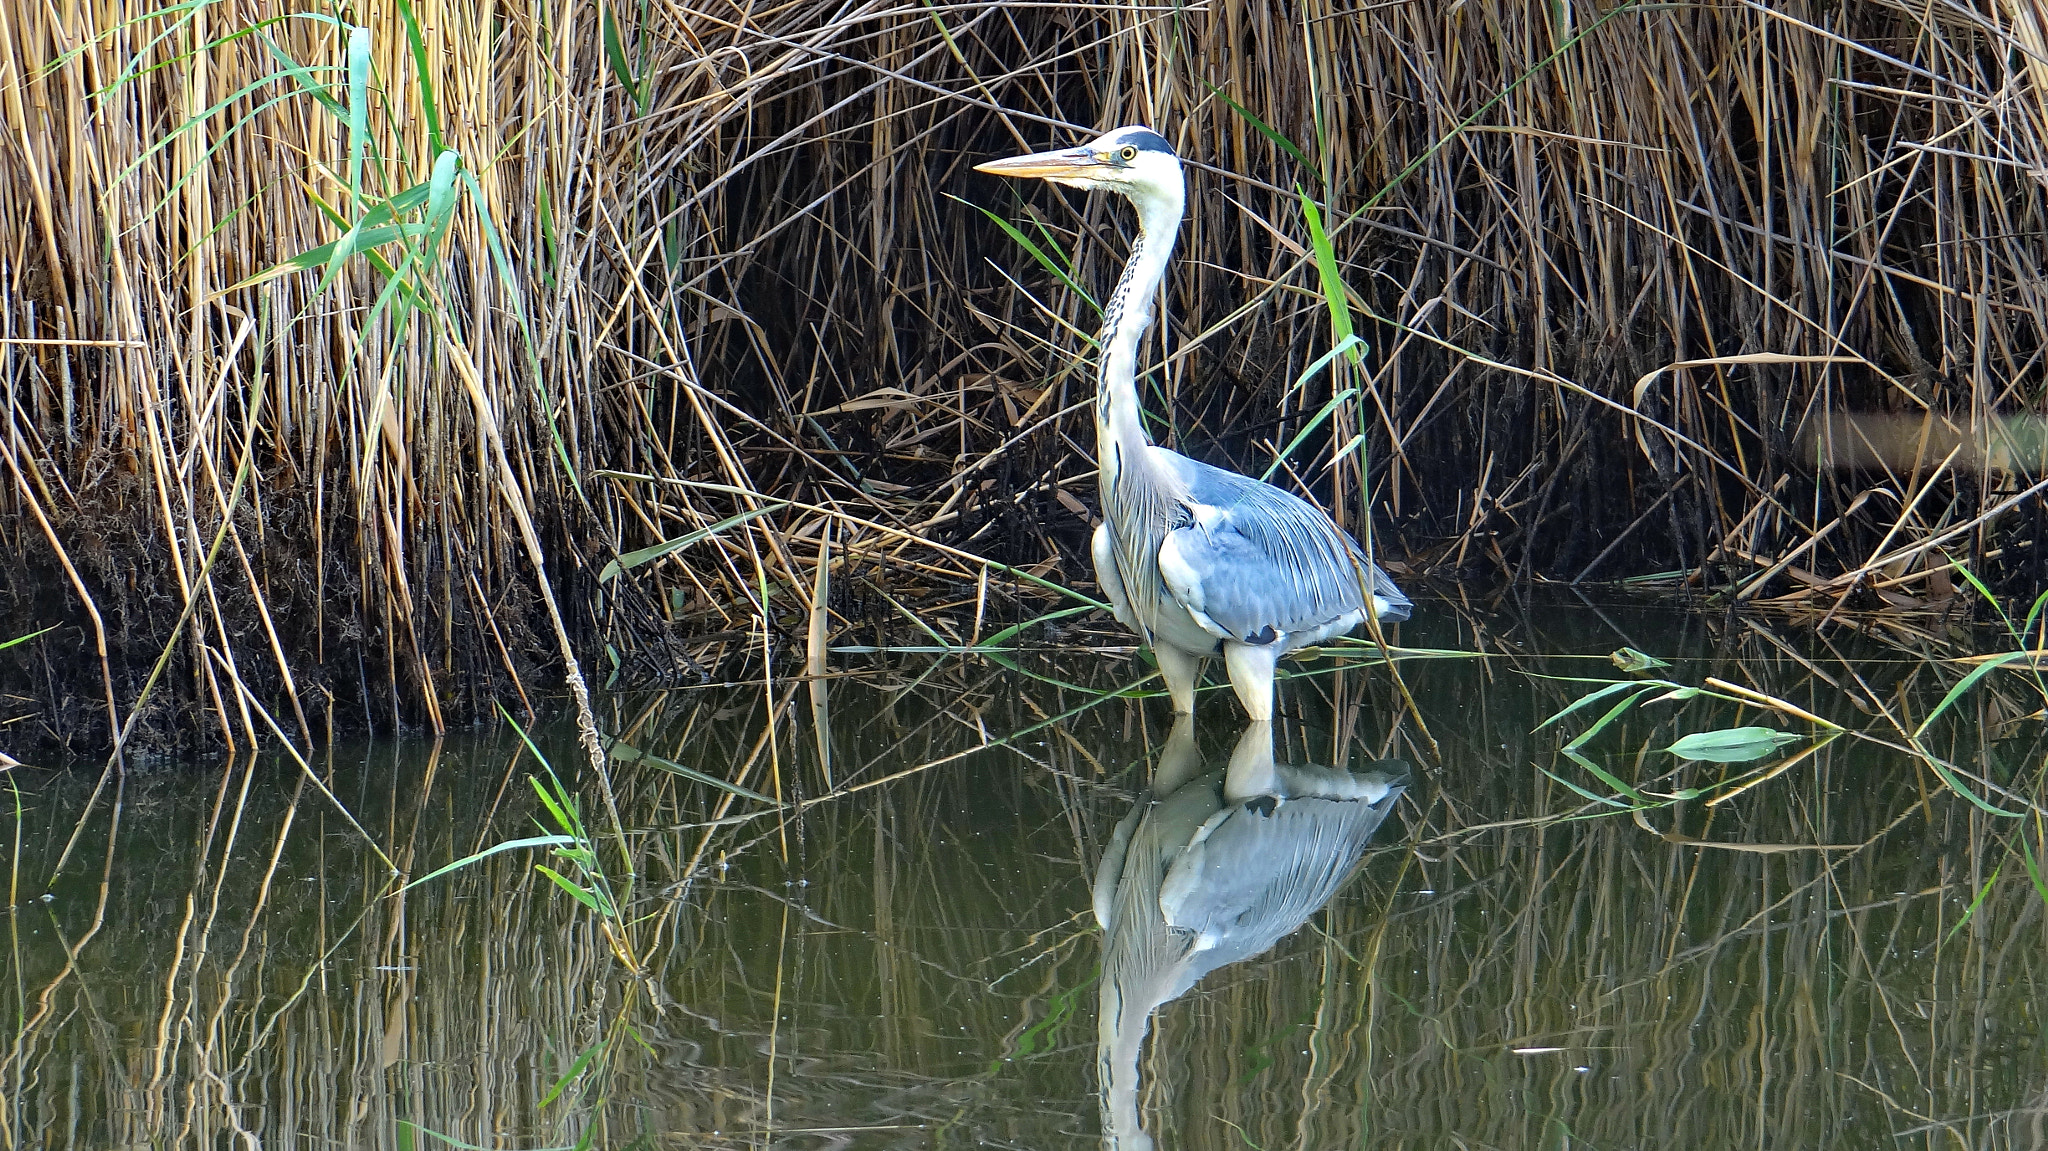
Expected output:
(907, 954)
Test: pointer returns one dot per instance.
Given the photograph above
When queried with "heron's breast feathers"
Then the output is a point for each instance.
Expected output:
(1185, 565)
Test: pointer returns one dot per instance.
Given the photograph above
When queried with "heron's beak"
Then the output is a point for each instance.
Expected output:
(1075, 167)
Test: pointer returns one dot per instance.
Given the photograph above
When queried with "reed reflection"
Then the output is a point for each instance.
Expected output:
(1209, 869)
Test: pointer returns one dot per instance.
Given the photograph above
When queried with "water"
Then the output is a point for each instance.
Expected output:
(915, 963)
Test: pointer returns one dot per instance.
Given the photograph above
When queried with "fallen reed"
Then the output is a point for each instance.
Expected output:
(1622, 274)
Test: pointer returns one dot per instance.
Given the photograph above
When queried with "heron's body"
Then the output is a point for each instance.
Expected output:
(1195, 559)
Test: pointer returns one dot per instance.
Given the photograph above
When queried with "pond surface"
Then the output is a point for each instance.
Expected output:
(907, 951)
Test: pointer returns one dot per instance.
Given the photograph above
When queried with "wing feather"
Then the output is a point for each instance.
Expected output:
(1103, 549)
(1264, 564)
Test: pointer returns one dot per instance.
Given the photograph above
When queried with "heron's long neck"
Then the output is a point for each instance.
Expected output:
(1118, 422)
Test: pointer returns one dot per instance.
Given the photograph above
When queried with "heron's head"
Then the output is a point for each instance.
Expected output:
(1133, 160)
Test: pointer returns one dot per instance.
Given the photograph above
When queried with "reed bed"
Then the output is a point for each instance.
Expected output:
(1739, 298)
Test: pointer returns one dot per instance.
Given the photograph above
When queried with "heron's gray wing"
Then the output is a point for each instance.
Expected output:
(1263, 868)
(1257, 561)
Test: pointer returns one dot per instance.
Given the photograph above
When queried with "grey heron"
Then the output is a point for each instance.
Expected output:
(1208, 870)
(1193, 558)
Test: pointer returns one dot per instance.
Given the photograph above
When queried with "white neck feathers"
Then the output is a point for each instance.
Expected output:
(1128, 314)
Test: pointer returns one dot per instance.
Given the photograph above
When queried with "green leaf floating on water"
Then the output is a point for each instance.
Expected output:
(1732, 744)
(1629, 659)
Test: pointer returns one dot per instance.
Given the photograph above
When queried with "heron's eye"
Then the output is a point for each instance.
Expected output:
(1127, 153)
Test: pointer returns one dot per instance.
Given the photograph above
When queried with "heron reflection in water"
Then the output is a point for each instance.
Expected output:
(1211, 869)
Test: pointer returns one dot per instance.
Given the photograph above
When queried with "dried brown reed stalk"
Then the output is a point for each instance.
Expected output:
(732, 258)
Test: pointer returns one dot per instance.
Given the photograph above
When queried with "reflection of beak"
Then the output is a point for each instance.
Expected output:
(1062, 165)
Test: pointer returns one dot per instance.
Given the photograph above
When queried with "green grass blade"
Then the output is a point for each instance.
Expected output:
(1949, 779)
(915, 620)
(440, 202)
(528, 741)
(5, 644)
(1047, 262)
(1052, 242)
(2033, 617)
(1601, 799)
(544, 215)
(1589, 699)
(562, 807)
(1320, 418)
(575, 1069)
(194, 124)
(1323, 361)
(333, 255)
(1335, 295)
(337, 256)
(577, 891)
(1613, 714)
(626, 753)
(171, 21)
(358, 110)
(397, 296)
(304, 74)
(999, 638)
(1974, 903)
(486, 853)
(1279, 141)
(2034, 867)
(381, 213)
(633, 559)
(1608, 778)
(422, 76)
(1965, 684)
(1731, 744)
(615, 54)
(1984, 592)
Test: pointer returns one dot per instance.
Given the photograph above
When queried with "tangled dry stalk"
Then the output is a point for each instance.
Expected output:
(1624, 272)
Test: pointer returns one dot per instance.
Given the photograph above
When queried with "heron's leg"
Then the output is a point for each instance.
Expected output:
(1252, 773)
(1181, 672)
(1180, 759)
(1251, 673)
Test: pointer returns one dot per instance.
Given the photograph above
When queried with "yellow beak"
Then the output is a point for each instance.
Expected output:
(1061, 164)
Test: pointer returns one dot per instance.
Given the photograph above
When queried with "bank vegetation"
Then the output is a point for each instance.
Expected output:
(356, 361)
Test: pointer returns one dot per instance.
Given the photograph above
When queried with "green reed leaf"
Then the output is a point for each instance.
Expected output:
(1732, 744)
(633, 559)
(1335, 295)
(495, 849)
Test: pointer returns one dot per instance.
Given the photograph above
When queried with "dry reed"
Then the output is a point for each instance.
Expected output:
(1621, 269)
